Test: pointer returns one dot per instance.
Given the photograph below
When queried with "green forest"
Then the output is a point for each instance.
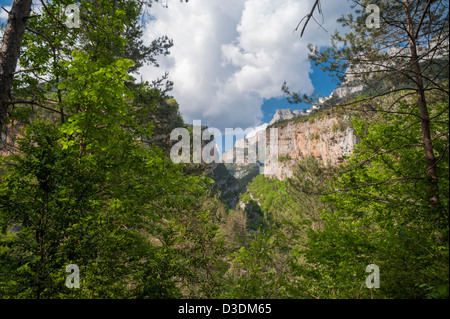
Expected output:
(86, 177)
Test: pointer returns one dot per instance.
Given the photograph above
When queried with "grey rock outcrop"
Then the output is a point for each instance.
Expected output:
(286, 114)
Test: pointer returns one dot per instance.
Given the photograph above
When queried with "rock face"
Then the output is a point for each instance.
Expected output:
(300, 112)
(286, 114)
(343, 91)
(250, 141)
(328, 139)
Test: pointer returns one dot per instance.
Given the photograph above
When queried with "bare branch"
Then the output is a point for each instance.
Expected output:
(27, 70)
(32, 103)
(309, 16)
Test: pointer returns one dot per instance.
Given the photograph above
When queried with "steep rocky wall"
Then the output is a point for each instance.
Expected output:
(328, 139)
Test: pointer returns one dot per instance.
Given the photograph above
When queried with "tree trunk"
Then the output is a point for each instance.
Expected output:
(423, 108)
(9, 52)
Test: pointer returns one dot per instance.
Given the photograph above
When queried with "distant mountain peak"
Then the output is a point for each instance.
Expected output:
(286, 114)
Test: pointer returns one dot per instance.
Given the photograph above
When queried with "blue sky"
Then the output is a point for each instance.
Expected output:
(6, 2)
(323, 85)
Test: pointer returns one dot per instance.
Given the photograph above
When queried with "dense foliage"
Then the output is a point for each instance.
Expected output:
(86, 180)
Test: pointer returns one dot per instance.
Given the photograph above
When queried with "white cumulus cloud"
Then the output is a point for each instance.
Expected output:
(230, 55)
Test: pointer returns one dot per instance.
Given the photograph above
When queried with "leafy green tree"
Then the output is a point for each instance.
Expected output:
(88, 192)
(407, 55)
(87, 184)
(108, 30)
(253, 272)
(388, 204)
(390, 224)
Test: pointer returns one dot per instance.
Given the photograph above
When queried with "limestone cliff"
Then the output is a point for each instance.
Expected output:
(286, 114)
(328, 138)
(323, 134)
